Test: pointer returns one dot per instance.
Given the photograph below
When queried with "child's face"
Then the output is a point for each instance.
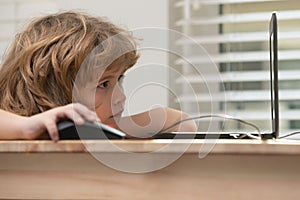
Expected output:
(109, 95)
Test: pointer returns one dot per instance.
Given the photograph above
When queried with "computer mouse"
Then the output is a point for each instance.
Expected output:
(89, 130)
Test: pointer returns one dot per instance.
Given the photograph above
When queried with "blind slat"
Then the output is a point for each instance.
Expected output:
(257, 114)
(216, 2)
(236, 96)
(241, 57)
(241, 76)
(239, 18)
(238, 37)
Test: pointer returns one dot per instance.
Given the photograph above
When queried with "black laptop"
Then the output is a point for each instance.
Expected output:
(273, 46)
(68, 130)
(273, 49)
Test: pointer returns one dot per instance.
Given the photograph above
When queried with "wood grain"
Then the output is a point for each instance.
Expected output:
(227, 173)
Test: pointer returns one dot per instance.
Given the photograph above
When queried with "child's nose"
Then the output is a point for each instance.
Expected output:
(118, 95)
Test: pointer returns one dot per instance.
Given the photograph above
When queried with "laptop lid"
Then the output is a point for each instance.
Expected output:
(273, 48)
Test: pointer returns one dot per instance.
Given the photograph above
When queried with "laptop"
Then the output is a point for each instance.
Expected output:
(273, 46)
(68, 130)
(274, 134)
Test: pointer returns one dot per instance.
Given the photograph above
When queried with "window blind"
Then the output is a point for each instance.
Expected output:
(235, 35)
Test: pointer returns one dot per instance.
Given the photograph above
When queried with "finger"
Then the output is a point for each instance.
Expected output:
(52, 130)
(85, 112)
(74, 116)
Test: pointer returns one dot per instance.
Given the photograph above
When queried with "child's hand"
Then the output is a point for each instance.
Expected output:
(38, 124)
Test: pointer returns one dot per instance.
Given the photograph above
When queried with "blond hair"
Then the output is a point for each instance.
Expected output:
(40, 67)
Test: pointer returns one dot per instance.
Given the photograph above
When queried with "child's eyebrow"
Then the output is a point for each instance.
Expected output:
(106, 77)
(112, 75)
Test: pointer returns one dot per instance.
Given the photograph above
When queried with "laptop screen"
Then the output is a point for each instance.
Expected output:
(273, 47)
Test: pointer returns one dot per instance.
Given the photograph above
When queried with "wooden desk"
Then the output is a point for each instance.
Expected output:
(235, 169)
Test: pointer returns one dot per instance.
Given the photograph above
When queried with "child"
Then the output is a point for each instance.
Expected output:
(34, 126)
(70, 56)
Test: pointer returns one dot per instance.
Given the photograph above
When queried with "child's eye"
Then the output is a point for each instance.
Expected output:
(103, 85)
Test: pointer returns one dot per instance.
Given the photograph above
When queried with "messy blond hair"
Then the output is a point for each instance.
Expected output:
(40, 67)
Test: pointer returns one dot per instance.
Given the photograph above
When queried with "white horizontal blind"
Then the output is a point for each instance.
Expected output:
(235, 35)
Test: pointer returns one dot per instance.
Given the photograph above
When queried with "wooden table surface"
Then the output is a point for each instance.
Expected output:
(219, 146)
(234, 169)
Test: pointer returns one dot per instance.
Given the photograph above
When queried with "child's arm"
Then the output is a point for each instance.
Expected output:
(13, 126)
(155, 120)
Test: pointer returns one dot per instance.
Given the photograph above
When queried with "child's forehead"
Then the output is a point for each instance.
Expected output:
(115, 69)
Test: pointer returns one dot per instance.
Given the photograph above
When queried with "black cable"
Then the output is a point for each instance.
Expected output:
(219, 116)
(289, 134)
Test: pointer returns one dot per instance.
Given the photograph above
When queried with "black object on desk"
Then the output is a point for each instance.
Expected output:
(69, 131)
(90, 131)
